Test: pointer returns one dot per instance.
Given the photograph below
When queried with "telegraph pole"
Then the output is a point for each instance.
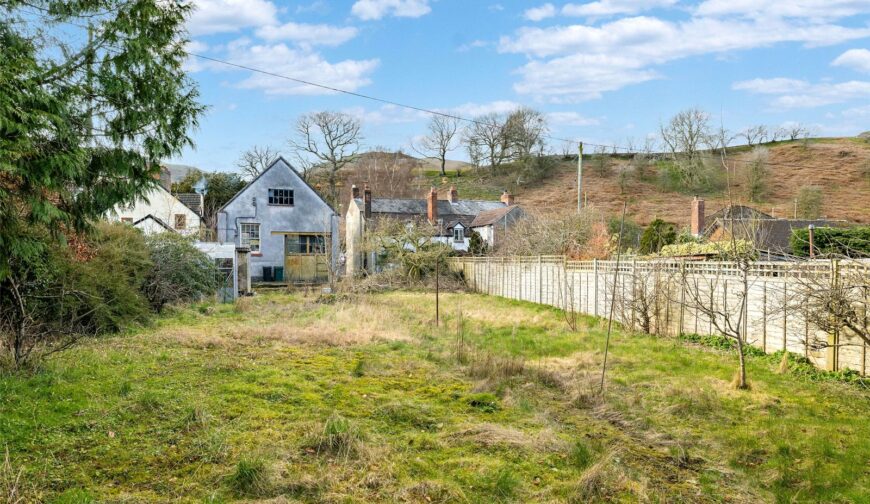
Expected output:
(580, 178)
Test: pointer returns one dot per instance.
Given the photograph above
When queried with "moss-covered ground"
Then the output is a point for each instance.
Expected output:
(287, 398)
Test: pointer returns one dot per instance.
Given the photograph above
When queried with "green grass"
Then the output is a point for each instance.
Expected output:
(364, 401)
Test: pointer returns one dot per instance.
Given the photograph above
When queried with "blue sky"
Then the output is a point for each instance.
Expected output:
(605, 71)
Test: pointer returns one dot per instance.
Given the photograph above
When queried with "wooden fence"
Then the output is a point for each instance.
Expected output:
(762, 302)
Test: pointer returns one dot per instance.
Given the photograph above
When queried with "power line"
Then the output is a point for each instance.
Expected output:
(627, 150)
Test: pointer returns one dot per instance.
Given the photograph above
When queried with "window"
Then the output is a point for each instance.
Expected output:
(180, 221)
(283, 197)
(306, 244)
(458, 234)
(250, 236)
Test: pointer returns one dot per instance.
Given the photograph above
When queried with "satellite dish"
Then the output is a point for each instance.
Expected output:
(201, 187)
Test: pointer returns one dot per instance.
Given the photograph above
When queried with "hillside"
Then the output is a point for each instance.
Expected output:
(839, 166)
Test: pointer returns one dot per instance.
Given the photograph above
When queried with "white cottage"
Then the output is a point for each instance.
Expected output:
(291, 230)
(158, 211)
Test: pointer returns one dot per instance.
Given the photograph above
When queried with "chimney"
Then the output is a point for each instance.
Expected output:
(697, 219)
(507, 198)
(367, 200)
(432, 206)
(454, 195)
(354, 192)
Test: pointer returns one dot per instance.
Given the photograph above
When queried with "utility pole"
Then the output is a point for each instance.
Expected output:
(580, 177)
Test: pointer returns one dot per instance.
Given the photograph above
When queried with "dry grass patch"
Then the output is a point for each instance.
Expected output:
(490, 435)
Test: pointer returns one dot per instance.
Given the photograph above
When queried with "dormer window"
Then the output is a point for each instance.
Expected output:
(281, 197)
(458, 234)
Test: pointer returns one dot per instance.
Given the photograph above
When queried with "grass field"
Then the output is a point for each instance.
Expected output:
(284, 398)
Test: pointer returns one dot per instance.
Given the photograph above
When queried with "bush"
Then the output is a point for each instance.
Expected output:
(60, 297)
(809, 202)
(756, 174)
(658, 234)
(850, 242)
(631, 232)
(180, 271)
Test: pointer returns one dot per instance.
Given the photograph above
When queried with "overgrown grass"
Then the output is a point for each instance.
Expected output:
(362, 400)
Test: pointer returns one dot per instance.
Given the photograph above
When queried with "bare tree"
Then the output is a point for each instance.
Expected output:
(755, 175)
(441, 138)
(525, 129)
(486, 140)
(754, 134)
(326, 141)
(685, 136)
(792, 131)
(255, 160)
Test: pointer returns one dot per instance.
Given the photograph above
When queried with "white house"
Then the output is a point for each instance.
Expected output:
(158, 211)
(291, 231)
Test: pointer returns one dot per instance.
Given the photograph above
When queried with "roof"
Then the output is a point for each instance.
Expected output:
(738, 212)
(488, 217)
(192, 201)
(446, 209)
(275, 163)
(158, 220)
(771, 234)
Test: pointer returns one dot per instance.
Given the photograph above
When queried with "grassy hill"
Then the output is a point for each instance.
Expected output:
(840, 167)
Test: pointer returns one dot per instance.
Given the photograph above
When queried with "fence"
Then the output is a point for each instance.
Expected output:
(760, 302)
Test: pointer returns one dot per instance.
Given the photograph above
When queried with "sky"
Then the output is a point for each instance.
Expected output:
(608, 71)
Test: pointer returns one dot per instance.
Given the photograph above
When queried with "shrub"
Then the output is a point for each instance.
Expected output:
(631, 232)
(809, 202)
(658, 234)
(339, 437)
(755, 175)
(59, 298)
(180, 271)
(850, 242)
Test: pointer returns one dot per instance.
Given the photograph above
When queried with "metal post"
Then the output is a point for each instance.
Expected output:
(437, 291)
(812, 229)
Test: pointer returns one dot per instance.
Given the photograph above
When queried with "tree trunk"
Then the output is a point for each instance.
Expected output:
(741, 371)
(443, 162)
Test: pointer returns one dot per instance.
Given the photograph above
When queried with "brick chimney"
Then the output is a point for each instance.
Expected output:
(354, 192)
(507, 198)
(454, 195)
(432, 206)
(697, 219)
(164, 178)
(367, 201)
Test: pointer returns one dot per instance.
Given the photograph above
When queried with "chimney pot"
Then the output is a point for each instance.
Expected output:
(507, 198)
(432, 206)
(697, 218)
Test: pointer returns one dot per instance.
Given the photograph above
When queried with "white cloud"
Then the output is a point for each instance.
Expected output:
(545, 11)
(857, 112)
(471, 110)
(611, 7)
(792, 93)
(308, 34)
(577, 62)
(301, 64)
(221, 16)
(856, 59)
(387, 114)
(377, 9)
(809, 9)
(571, 119)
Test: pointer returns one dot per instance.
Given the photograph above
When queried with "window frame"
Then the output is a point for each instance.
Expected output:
(249, 240)
(286, 197)
(461, 234)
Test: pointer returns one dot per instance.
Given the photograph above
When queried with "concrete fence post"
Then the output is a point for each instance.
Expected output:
(595, 293)
(784, 315)
(682, 297)
(764, 316)
(833, 350)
